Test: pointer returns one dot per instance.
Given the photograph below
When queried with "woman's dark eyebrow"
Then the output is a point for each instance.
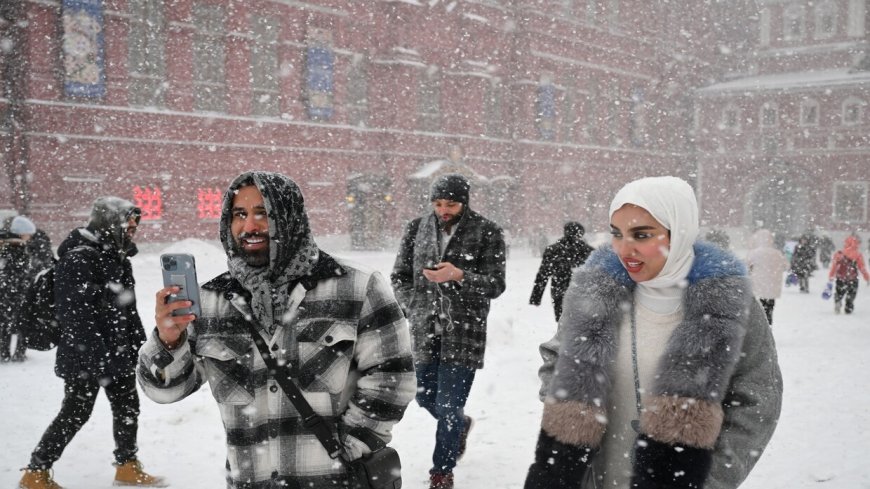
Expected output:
(635, 229)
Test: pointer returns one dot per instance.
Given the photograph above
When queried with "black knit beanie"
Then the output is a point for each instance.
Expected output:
(451, 186)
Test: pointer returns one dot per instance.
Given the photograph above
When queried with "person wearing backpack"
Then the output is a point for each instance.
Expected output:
(16, 273)
(844, 268)
(100, 335)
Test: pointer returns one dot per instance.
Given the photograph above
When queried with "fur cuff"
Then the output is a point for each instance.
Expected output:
(574, 423)
(669, 466)
(681, 420)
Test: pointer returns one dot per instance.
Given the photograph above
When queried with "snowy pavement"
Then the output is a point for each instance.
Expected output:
(821, 442)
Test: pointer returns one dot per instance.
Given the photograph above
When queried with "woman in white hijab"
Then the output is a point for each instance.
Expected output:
(663, 373)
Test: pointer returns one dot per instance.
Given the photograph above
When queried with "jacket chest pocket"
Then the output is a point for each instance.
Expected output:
(325, 353)
(229, 367)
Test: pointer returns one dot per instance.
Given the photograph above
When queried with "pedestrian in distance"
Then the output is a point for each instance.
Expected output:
(16, 274)
(449, 267)
(663, 373)
(845, 266)
(766, 268)
(803, 262)
(100, 334)
(559, 260)
(334, 327)
(826, 250)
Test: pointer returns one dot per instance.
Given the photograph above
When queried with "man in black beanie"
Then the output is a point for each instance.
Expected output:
(559, 261)
(451, 263)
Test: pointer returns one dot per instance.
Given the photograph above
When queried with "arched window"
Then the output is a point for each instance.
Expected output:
(793, 20)
(809, 112)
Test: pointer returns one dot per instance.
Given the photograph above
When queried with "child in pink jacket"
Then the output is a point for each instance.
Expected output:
(845, 267)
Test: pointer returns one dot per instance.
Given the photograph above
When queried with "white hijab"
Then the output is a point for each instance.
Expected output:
(671, 201)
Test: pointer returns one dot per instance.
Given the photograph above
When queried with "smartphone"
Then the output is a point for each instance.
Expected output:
(431, 266)
(179, 269)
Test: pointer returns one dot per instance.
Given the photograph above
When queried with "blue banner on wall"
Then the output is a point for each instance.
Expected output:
(319, 81)
(546, 111)
(83, 49)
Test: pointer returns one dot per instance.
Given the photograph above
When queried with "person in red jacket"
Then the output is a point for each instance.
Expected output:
(845, 267)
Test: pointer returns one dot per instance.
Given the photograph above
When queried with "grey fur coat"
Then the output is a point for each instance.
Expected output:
(718, 386)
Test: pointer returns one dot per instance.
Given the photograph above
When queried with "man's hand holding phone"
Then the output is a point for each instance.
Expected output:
(443, 272)
(171, 328)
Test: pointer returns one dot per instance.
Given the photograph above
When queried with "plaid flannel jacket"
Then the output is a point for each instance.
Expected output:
(352, 361)
(478, 248)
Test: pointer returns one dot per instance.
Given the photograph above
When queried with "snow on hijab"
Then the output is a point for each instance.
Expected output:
(671, 201)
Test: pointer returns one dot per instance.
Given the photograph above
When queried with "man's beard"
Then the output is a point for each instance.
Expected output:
(258, 258)
(449, 223)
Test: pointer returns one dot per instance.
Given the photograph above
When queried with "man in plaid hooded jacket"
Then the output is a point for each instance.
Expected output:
(336, 326)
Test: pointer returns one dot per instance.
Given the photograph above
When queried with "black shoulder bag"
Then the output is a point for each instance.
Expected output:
(381, 469)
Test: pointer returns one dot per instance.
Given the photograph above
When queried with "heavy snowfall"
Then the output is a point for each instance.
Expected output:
(821, 441)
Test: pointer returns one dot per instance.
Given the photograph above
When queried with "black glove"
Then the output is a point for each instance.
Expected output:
(664, 466)
(558, 465)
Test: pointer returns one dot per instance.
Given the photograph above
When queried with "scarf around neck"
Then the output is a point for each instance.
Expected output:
(293, 253)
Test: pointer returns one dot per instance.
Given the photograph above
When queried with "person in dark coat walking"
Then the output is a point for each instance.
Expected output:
(450, 265)
(15, 275)
(101, 333)
(826, 250)
(803, 262)
(560, 258)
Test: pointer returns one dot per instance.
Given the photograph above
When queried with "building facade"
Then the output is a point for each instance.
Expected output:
(782, 138)
(549, 106)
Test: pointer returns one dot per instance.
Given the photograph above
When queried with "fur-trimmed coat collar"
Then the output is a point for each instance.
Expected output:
(685, 404)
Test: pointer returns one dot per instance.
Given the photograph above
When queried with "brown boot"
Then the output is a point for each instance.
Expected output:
(438, 480)
(38, 479)
(131, 474)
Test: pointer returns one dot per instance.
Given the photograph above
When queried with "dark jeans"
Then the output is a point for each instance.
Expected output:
(76, 409)
(7, 329)
(442, 389)
(768, 304)
(847, 289)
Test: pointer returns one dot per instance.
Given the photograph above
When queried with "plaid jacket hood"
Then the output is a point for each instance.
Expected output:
(352, 361)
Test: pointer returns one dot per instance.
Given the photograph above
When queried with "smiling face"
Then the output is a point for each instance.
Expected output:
(640, 241)
(250, 226)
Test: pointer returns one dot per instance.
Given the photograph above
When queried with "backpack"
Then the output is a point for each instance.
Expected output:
(36, 318)
(847, 269)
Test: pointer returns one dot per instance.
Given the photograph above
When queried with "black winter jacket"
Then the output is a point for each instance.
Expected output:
(559, 261)
(101, 331)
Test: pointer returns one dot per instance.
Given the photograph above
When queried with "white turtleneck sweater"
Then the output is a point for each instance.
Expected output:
(653, 331)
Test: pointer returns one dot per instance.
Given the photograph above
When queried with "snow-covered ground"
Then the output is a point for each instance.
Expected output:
(821, 441)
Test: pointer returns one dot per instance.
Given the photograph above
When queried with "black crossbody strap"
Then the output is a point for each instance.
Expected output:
(318, 424)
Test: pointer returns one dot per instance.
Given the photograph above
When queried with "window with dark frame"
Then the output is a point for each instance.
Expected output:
(430, 100)
(209, 58)
(493, 110)
(850, 202)
(147, 53)
(265, 72)
(357, 91)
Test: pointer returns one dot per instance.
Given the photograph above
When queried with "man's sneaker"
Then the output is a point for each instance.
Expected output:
(837, 306)
(130, 473)
(463, 437)
(440, 481)
(38, 479)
